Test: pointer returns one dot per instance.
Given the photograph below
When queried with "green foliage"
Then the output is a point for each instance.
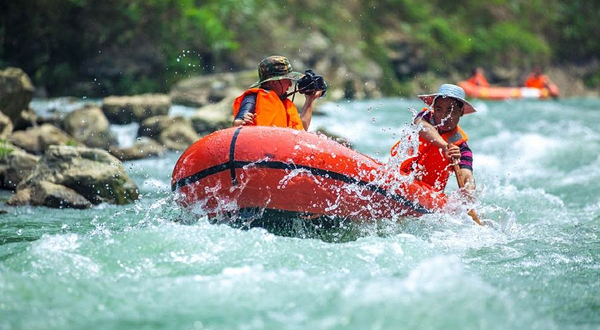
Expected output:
(72, 143)
(443, 43)
(507, 43)
(575, 29)
(129, 46)
(5, 149)
(593, 79)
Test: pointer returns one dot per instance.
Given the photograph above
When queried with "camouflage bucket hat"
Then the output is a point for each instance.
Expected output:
(275, 68)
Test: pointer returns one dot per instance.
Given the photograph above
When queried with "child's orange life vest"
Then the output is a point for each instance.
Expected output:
(430, 163)
(271, 110)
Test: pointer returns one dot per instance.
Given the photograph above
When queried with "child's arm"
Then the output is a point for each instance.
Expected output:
(430, 134)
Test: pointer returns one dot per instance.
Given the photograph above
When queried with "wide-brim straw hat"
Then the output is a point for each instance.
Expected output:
(275, 68)
(449, 90)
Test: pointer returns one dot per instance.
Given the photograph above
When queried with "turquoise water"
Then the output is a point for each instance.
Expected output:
(535, 266)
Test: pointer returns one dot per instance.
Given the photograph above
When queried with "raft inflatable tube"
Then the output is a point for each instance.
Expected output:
(503, 93)
(281, 169)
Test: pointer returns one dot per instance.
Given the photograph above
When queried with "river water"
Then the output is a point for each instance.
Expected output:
(534, 266)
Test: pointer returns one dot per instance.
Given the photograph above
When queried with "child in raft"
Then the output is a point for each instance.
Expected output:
(266, 103)
(442, 142)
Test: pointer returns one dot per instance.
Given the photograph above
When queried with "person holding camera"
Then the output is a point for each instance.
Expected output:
(266, 103)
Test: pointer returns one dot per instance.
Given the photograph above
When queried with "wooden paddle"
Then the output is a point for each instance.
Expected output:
(461, 183)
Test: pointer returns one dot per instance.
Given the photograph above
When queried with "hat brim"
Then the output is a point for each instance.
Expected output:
(430, 98)
(293, 76)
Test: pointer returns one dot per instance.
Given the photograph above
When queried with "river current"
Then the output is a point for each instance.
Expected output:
(536, 264)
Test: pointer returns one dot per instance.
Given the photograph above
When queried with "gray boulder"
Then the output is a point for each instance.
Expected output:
(214, 116)
(175, 133)
(16, 91)
(44, 193)
(6, 149)
(128, 109)
(178, 136)
(152, 127)
(6, 126)
(90, 127)
(37, 139)
(19, 166)
(143, 148)
(92, 173)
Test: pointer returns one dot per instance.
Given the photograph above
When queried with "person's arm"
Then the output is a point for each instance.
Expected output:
(467, 174)
(246, 115)
(546, 81)
(307, 109)
(466, 167)
(430, 134)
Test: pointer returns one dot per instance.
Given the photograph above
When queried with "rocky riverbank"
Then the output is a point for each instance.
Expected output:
(73, 160)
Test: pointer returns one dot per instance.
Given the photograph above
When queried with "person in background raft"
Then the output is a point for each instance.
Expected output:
(441, 141)
(536, 79)
(478, 78)
(540, 81)
(266, 103)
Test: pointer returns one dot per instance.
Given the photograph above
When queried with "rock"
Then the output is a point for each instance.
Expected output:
(6, 126)
(48, 194)
(175, 133)
(152, 127)
(570, 79)
(93, 173)
(141, 149)
(128, 109)
(16, 91)
(90, 127)
(6, 149)
(178, 136)
(28, 118)
(3, 169)
(214, 116)
(21, 197)
(37, 139)
(19, 166)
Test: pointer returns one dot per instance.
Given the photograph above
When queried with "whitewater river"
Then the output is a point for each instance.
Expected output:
(534, 266)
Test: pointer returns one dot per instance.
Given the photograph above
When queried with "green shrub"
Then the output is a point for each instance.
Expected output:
(593, 79)
(5, 149)
(131, 46)
(508, 43)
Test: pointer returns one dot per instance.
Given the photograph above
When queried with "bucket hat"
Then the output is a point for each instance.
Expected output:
(449, 90)
(275, 68)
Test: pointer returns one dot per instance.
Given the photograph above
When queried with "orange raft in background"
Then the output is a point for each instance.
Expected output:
(281, 169)
(502, 93)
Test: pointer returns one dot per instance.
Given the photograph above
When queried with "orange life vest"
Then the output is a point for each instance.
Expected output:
(271, 110)
(430, 162)
(536, 82)
(479, 80)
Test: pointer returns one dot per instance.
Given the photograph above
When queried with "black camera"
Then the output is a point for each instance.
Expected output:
(312, 83)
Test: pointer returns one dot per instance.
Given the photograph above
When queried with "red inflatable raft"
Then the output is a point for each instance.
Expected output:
(295, 171)
(502, 93)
